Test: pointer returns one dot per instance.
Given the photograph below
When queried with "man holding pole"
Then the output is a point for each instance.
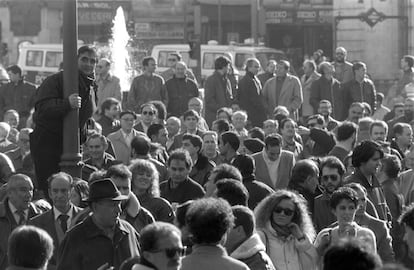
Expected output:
(51, 108)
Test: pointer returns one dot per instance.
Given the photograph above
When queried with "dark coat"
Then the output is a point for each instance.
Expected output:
(257, 190)
(159, 207)
(87, 247)
(329, 90)
(46, 221)
(354, 92)
(185, 191)
(201, 170)
(218, 93)
(19, 97)
(7, 225)
(180, 91)
(251, 99)
(108, 125)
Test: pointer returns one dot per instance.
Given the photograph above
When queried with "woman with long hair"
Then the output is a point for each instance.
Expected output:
(284, 225)
(145, 185)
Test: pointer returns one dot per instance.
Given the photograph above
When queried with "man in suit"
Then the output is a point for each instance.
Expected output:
(191, 119)
(218, 89)
(250, 93)
(121, 139)
(283, 90)
(60, 218)
(274, 165)
(15, 210)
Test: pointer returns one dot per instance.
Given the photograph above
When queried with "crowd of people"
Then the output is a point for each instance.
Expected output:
(270, 171)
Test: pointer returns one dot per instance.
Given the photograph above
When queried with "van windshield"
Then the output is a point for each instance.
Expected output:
(163, 58)
(53, 59)
(264, 57)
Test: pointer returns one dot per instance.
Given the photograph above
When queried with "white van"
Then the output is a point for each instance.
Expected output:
(38, 61)
(237, 53)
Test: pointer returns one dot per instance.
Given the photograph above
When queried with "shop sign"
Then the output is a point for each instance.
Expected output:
(161, 34)
(280, 16)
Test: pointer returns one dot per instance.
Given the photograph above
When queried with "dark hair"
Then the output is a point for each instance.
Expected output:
(378, 123)
(231, 138)
(119, 171)
(301, 172)
(141, 145)
(227, 111)
(284, 121)
(221, 62)
(195, 140)
(407, 217)
(87, 49)
(29, 247)
(107, 104)
(257, 132)
(153, 233)
(343, 193)
(273, 140)
(318, 117)
(128, 112)
(161, 109)
(245, 164)
(350, 254)
(224, 170)
(181, 212)
(146, 60)
(209, 219)
(398, 128)
(391, 166)
(96, 135)
(154, 130)
(81, 187)
(345, 131)
(332, 162)
(15, 69)
(364, 151)
(357, 65)
(409, 59)
(191, 113)
(244, 217)
(181, 154)
(233, 191)
(222, 125)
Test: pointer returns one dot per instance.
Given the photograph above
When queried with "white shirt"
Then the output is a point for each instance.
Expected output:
(16, 216)
(272, 167)
(57, 213)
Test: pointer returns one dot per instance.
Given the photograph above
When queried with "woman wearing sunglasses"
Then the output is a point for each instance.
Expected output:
(344, 204)
(285, 227)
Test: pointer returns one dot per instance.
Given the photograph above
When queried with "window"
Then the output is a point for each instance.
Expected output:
(163, 58)
(209, 59)
(34, 58)
(53, 59)
(241, 59)
(264, 57)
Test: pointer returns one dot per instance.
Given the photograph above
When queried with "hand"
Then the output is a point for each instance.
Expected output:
(105, 267)
(75, 101)
(295, 230)
(303, 130)
(324, 243)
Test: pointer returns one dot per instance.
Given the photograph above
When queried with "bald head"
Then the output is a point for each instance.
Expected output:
(173, 126)
(180, 69)
(340, 54)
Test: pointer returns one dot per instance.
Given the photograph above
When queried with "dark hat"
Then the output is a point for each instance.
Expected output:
(254, 145)
(104, 189)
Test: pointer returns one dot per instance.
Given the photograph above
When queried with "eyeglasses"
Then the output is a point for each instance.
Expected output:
(286, 212)
(172, 252)
(333, 177)
(91, 61)
(148, 113)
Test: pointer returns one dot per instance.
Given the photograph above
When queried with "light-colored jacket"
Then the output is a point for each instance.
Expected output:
(307, 108)
(290, 253)
(108, 87)
(290, 96)
(121, 148)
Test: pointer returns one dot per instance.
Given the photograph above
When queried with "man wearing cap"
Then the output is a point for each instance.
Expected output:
(102, 238)
(17, 95)
(60, 218)
(343, 69)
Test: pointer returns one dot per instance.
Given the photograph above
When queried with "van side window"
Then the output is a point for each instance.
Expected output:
(209, 58)
(53, 59)
(34, 58)
(241, 59)
(163, 58)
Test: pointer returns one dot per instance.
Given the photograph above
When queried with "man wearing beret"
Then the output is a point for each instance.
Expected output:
(102, 238)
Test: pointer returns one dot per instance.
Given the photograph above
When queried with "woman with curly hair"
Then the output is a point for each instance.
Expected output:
(284, 225)
(145, 185)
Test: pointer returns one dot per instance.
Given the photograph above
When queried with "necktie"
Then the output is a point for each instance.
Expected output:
(22, 217)
(63, 219)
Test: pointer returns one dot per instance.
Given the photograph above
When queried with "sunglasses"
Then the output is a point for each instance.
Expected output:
(333, 177)
(286, 212)
(172, 252)
(148, 113)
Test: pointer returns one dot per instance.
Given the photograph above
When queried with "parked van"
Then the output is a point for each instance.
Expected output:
(38, 61)
(237, 54)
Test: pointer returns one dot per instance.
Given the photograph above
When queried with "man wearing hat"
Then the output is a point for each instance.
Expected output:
(102, 238)
(17, 95)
